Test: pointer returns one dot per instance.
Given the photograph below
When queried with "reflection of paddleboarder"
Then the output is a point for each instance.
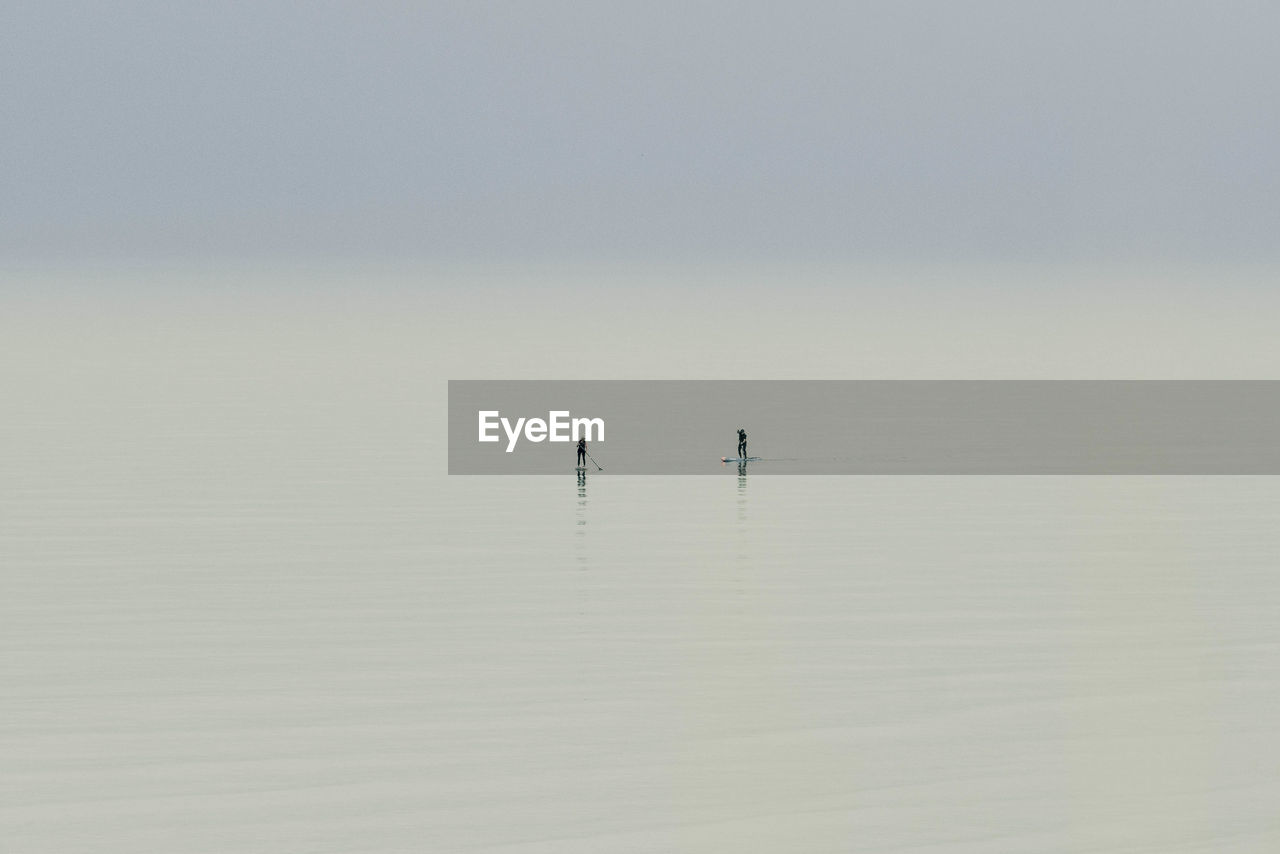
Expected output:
(742, 443)
(582, 451)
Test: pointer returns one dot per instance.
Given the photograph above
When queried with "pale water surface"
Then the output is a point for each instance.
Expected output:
(242, 609)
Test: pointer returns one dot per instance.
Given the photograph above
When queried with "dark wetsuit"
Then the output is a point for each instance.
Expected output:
(582, 452)
(742, 443)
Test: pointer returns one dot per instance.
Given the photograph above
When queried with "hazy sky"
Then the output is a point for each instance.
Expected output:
(887, 131)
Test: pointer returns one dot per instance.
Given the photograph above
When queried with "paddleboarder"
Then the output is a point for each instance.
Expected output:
(742, 444)
(582, 451)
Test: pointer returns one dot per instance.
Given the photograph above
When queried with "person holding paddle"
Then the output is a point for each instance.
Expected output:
(742, 443)
(582, 451)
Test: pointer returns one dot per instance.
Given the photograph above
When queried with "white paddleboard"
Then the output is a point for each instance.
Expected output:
(739, 459)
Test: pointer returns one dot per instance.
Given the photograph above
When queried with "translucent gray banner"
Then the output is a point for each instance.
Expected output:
(866, 427)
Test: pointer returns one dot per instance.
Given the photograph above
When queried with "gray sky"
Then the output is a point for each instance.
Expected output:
(1024, 131)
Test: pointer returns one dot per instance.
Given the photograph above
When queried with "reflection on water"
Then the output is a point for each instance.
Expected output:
(580, 528)
(742, 491)
(743, 554)
(581, 513)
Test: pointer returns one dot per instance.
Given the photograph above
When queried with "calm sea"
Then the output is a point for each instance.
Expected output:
(242, 609)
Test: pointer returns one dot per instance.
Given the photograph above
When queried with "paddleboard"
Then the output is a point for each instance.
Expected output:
(739, 459)
(581, 468)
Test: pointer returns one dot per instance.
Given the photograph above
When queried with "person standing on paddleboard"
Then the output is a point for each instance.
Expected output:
(582, 451)
(742, 444)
